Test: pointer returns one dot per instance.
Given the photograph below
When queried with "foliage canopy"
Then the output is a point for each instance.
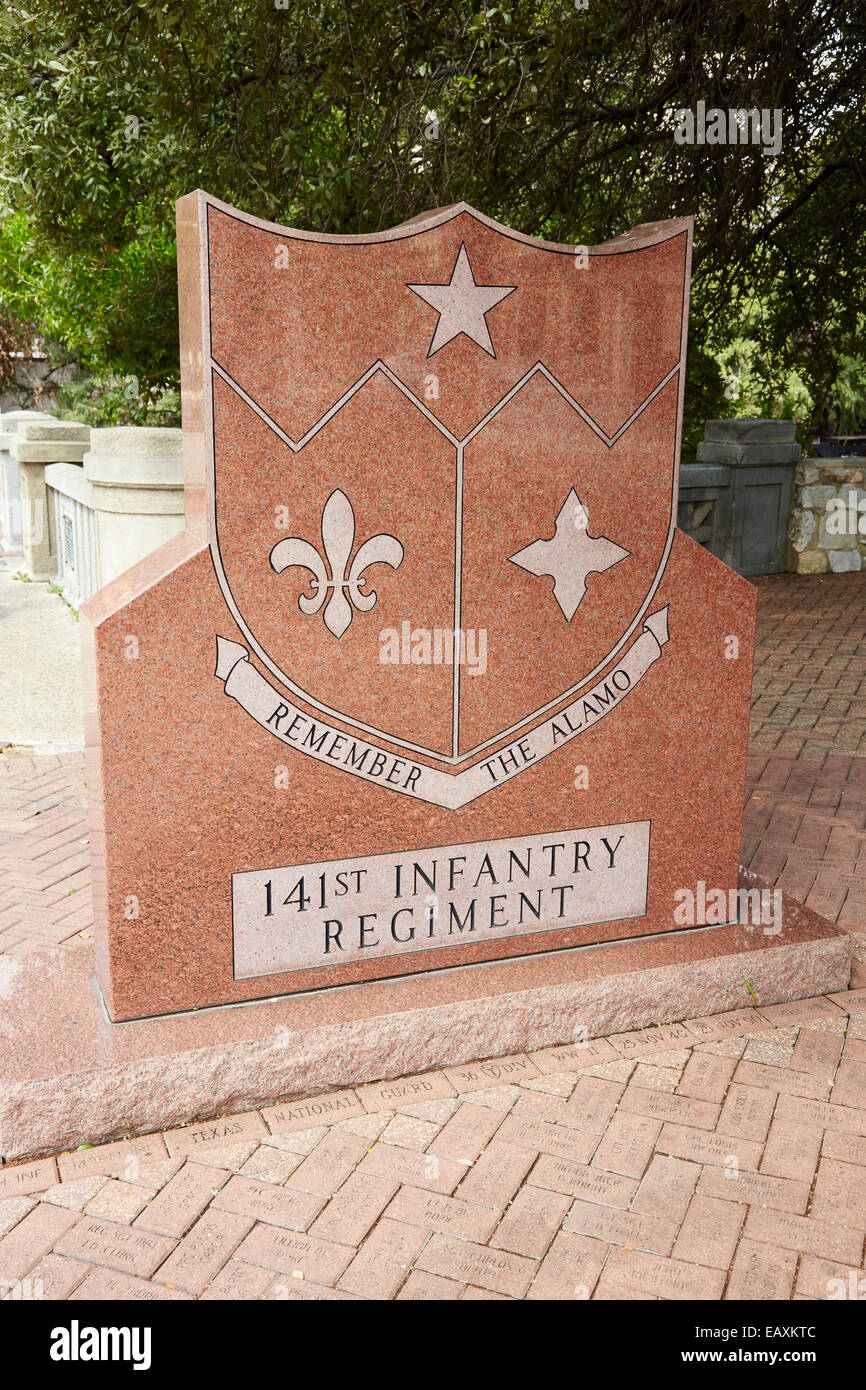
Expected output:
(555, 119)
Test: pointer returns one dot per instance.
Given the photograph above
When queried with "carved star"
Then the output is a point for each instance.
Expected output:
(570, 555)
(462, 305)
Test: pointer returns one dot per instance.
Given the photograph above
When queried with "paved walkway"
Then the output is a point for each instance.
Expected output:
(40, 669)
(804, 826)
(720, 1158)
(712, 1159)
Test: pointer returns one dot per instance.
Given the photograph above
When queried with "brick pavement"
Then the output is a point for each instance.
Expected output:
(730, 1166)
(804, 825)
(722, 1159)
(45, 895)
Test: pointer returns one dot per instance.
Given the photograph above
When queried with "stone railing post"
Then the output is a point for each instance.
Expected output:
(746, 467)
(11, 524)
(136, 473)
(37, 443)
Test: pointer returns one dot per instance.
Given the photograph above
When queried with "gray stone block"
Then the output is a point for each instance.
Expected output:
(802, 529)
(751, 430)
(817, 496)
(842, 561)
(830, 539)
(758, 455)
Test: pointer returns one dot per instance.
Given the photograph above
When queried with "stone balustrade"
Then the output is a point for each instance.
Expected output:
(12, 521)
(37, 445)
(82, 505)
(125, 502)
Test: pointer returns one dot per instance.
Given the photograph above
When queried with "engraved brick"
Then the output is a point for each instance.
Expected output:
(850, 1001)
(783, 1080)
(817, 1053)
(842, 1118)
(737, 1024)
(580, 1180)
(267, 1201)
(616, 1227)
(17, 1179)
(497, 1270)
(330, 1163)
(648, 1040)
(709, 1233)
(706, 1076)
(831, 1280)
(195, 1138)
(847, 1148)
(799, 1011)
(591, 1104)
(109, 1286)
(415, 1169)
(531, 1222)
(119, 1247)
(54, 1278)
(498, 1173)
(627, 1144)
(123, 1159)
(662, 1105)
(850, 1086)
(349, 1215)
(436, 1212)
(203, 1251)
(761, 1272)
(791, 1150)
(478, 1076)
(696, 1145)
(542, 1137)
(32, 1238)
(760, 1189)
(642, 1273)
(238, 1280)
(291, 1252)
(575, 1056)
(464, 1136)
(570, 1269)
(840, 1194)
(667, 1188)
(183, 1198)
(804, 1234)
(746, 1112)
(328, 1109)
(384, 1260)
(406, 1090)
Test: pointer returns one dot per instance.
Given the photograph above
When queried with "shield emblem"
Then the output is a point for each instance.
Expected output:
(444, 465)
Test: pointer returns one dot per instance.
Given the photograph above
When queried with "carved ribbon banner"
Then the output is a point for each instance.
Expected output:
(318, 739)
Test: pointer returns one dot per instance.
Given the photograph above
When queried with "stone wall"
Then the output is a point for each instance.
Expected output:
(827, 530)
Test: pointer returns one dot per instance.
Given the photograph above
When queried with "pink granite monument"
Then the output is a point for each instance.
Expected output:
(431, 678)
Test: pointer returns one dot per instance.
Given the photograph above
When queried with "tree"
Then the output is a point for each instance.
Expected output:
(346, 115)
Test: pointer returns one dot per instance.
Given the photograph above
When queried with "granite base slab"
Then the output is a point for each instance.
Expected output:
(69, 1076)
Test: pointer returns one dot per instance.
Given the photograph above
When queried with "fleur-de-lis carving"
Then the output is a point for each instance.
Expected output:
(338, 538)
